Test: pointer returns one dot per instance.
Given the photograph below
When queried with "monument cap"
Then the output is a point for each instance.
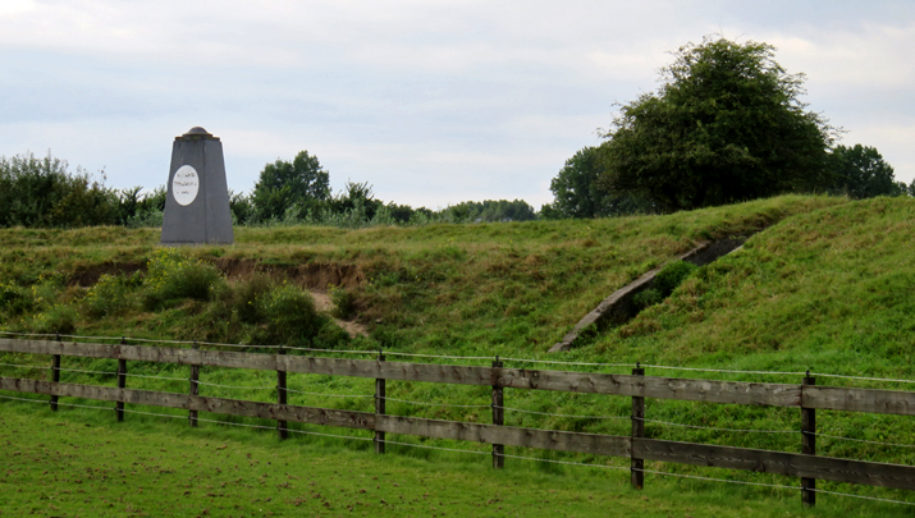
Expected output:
(196, 133)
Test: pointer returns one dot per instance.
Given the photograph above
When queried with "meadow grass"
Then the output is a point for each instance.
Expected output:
(69, 464)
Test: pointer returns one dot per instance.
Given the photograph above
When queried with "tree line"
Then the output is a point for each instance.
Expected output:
(727, 125)
(43, 192)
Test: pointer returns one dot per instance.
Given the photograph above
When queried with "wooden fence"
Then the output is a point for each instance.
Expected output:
(807, 396)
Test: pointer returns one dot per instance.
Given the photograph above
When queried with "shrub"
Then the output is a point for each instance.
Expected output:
(59, 318)
(14, 300)
(109, 296)
(247, 298)
(665, 282)
(290, 316)
(672, 275)
(171, 276)
(344, 303)
(330, 335)
(648, 297)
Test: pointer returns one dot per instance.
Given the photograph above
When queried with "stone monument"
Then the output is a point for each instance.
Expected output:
(197, 205)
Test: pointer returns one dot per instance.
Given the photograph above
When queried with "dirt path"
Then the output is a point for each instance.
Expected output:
(324, 304)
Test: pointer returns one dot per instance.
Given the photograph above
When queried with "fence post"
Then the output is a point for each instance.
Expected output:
(498, 414)
(637, 465)
(281, 425)
(55, 375)
(122, 382)
(380, 395)
(808, 444)
(194, 387)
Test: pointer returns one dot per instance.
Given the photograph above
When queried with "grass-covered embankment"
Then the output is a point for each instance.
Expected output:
(487, 289)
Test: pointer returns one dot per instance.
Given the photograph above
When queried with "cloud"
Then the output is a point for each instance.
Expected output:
(433, 102)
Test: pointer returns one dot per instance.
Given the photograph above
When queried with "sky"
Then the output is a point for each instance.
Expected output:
(430, 102)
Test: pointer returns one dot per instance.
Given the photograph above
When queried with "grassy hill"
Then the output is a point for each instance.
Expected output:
(471, 289)
(826, 287)
(829, 290)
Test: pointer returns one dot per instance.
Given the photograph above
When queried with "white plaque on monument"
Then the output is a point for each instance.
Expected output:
(185, 185)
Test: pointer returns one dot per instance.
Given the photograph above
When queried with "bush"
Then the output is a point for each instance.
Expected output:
(330, 335)
(41, 192)
(247, 298)
(672, 275)
(646, 298)
(171, 276)
(665, 282)
(110, 295)
(290, 317)
(344, 303)
(14, 300)
(59, 318)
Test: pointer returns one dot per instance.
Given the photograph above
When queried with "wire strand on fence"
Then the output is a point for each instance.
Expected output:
(559, 362)
(23, 366)
(326, 394)
(573, 416)
(233, 387)
(475, 358)
(150, 376)
(439, 448)
(699, 427)
(59, 403)
(192, 342)
(724, 371)
(436, 356)
(563, 462)
(714, 479)
(430, 403)
(333, 351)
(26, 399)
(87, 371)
(867, 441)
(864, 497)
(861, 378)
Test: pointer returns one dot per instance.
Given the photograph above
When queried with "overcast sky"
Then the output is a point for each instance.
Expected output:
(431, 102)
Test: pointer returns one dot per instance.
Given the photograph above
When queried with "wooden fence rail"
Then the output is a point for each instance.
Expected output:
(807, 396)
(711, 391)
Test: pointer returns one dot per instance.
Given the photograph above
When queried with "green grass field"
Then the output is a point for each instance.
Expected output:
(70, 464)
(826, 287)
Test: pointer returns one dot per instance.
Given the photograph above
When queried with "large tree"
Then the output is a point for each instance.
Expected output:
(861, 172)
(578, 192)
(300, 185)
(727, 125)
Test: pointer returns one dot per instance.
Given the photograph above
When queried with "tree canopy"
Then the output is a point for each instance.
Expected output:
(284, 186)
(578, 192)
(726, 126)
(861, 172)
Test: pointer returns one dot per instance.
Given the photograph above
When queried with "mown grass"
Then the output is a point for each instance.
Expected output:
(828, 287)
(68, 464)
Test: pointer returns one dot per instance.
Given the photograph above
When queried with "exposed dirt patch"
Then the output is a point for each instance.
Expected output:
(314, 276)
(317, 278)
(324, 304)
(86, 276)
